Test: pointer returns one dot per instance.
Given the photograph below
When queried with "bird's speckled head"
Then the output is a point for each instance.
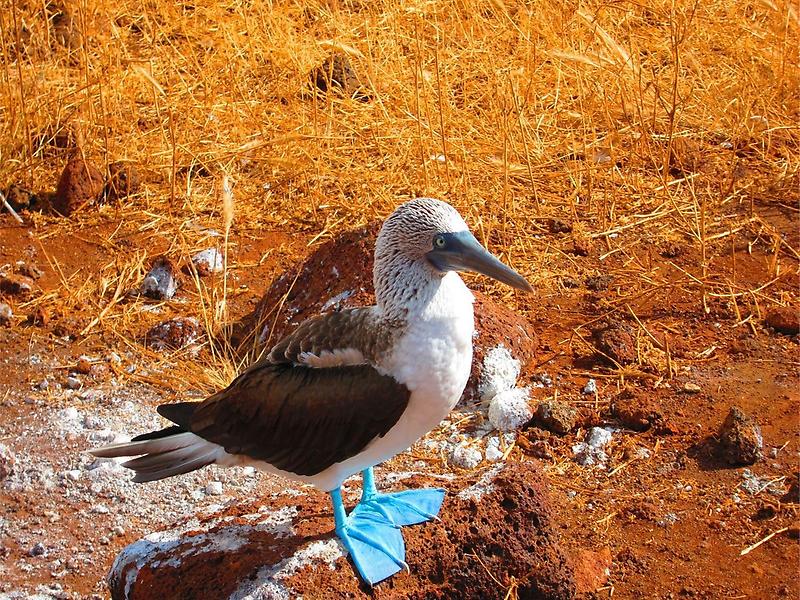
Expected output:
(412, 227)
(422, 241)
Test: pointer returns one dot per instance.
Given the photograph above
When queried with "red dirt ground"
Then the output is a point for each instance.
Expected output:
(675, 518)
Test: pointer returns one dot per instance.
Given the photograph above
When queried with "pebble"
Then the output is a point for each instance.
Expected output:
(43, 385)
(160, 283)
(590, 388)
(691, 388)
(173, 334)
(740, 439)
(84, 365)
(16, 285)
(72, 383)
(499, 372)
(591, 450)
(118, 530)
(214, 488)
(208, 261)
(558, 417)
(5, 314)
(7, 461)
(37, 550)
(100, 509)
(80, 184)
(493, 451)
(465, 456)
(510, 410)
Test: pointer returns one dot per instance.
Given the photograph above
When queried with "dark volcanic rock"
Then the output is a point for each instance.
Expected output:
(16, 285)
(123, 180)
(498, 527)
(338, 274)
(616, 341)
(21, 198)
(783, 319)
(337, 73)
(80, 184)
(740, 439)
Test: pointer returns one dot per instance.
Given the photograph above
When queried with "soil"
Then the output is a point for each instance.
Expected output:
(672, 514)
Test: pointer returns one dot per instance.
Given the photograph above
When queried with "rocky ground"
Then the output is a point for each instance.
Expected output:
(589, 481)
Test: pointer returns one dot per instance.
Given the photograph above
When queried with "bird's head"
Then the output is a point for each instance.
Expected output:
(431, 233)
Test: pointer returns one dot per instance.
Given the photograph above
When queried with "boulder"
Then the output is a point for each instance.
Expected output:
(497, 531)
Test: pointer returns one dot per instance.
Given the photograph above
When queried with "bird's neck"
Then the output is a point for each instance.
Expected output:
(409, 290)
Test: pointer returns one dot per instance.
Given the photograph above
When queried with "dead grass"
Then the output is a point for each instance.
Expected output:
(675, 122)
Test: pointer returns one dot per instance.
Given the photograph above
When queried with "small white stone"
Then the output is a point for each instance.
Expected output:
(493, 452)
(209, 261)
(465, 457)
(214, 488)
(249, 471)
(590, 388)
(510, 410)
(100, 509)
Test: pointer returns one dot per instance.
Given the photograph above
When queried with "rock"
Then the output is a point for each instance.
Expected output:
(783, 319)
(638, 411)
(499, 373)
(66, 31)
(39, 317)
(5, 314)
(590, 389)
(337, 74)
(691, 388)
(792, 494)
(591, 450)
(510, 410)
(83, 365)
(37, 550)
(161, 282)
(123, 180)
(465, 456)
(174, 334)
(80, 184)
(558, 417)
(616, 341)
(346, 262)
(7, 461)
(558, 226)
(493, 451)
(495, 526)
(72, 383)
(28, 270)
(740, 439)
(208, 261)
(214, 488)
(16, 285)
(599, 283)
(21, 198)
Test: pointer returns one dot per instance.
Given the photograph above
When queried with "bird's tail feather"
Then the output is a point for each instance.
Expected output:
(164, 453)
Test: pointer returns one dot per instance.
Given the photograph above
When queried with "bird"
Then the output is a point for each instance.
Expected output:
(349, 389)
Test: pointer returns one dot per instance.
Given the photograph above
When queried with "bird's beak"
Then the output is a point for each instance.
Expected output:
(462, 252)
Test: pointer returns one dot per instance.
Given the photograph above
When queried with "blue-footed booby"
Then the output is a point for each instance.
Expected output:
(348, 390)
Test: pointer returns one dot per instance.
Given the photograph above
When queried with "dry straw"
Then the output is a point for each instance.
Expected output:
(642, 124)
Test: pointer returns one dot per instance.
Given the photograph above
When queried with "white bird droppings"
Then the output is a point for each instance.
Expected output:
(499, 373)
(509, 410)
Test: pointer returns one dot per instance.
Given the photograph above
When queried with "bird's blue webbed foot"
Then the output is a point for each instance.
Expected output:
(407, 507)
(375, 543)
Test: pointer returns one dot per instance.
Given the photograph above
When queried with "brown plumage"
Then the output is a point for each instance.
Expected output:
(297, 419)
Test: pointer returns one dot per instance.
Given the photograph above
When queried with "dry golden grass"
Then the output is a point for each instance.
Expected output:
(664, 121)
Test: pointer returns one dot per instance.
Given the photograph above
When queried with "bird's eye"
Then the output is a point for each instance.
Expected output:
(439, 242)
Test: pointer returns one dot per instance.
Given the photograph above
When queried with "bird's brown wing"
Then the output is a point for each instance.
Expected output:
(354, 331)
(296, 418)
